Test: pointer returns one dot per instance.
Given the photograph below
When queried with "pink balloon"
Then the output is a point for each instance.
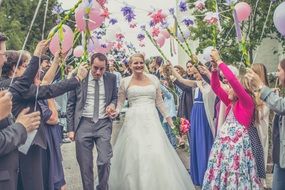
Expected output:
(160, 40)
(66, 43)
(243, 11)
(78, 51)
(165, 33)
(95, 18)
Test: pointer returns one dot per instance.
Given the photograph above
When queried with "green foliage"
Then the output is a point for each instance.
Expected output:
(16, 17)
(226, 40)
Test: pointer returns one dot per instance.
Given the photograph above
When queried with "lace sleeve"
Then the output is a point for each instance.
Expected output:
(158, 99)
(121, 95)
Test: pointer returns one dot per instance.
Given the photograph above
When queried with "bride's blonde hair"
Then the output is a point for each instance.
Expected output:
(140, 55)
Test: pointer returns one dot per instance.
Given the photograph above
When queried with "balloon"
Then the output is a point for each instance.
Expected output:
(92, 44)
(207, 53)
(160, 40)
(165, 33)
(66, 43)
(95, 18)
(279, 18)
(243, 11)
(78, 51)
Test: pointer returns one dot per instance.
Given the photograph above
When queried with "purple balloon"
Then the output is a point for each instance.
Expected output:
(279, 18)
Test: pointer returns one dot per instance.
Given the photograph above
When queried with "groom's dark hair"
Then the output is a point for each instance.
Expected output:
(99, 56)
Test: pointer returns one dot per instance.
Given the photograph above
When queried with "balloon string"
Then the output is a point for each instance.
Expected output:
(43, 36)
(45, 17)
(256, 4)
(25, 42)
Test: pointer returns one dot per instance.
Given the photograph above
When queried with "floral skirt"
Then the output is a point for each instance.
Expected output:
(231, 164)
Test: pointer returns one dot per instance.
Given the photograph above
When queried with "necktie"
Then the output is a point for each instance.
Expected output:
(96, 102)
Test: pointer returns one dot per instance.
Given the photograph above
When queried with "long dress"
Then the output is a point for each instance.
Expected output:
(231, 164)
(143, 157)
(54, 157)
(201, 140)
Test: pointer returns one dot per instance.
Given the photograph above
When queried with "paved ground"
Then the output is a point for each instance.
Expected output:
(71, 169)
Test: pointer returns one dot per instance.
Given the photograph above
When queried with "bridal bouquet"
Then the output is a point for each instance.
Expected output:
(182, 126)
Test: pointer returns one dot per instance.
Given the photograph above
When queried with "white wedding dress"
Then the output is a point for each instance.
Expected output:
(143, 157)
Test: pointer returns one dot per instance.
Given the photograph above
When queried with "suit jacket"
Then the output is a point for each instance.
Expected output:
(13, 135)
(185, 101)
(77, 99)
(277, 104)
(27, 98)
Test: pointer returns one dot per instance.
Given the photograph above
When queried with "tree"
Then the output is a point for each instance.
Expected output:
(226, 39)
(16, 17)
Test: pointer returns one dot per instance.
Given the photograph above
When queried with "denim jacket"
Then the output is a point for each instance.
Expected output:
(277, 104)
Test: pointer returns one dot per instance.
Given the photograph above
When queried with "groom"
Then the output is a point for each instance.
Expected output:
(89, 109)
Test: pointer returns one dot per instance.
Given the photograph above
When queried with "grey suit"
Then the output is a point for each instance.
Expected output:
(87, 133)
(10, 138)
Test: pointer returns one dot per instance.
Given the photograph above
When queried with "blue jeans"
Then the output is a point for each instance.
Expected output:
(170, 134)
(278, 178)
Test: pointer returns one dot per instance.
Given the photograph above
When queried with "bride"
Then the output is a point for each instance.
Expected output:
(143, 156)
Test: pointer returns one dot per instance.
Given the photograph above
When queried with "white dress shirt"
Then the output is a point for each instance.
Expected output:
(88, 109)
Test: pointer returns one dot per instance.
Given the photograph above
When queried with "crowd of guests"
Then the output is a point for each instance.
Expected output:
(229, 121)
(228, 113)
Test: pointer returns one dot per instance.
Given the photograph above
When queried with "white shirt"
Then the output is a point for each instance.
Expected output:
(89, 105)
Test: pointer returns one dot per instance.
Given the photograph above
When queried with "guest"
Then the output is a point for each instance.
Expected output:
(276, 103)
(231, 154)
(112, 69)
(25, 96)
(15, 134)
(201, 136)
(264, 111)
(168, 100)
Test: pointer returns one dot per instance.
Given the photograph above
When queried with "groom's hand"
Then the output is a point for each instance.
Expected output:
(111, 111)
(71, 135)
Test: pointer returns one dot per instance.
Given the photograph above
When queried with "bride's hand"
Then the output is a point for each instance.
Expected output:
(170, 122)
(111, 111)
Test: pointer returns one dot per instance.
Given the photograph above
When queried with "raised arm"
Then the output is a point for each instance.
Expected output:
(54, 90)
(273, 100)
(187, 82)
(23, 83)
(216, 86)
(244, 98)
(182, 86)
(51, 73)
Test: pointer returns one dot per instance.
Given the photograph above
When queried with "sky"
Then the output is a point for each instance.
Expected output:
(141, 10)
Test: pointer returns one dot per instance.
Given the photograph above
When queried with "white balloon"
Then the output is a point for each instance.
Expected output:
(207, 53)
